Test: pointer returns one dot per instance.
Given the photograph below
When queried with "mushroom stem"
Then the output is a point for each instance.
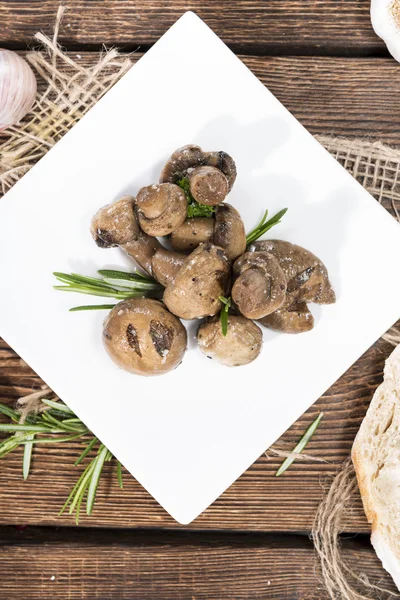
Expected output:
(142, 250)
(165, 265)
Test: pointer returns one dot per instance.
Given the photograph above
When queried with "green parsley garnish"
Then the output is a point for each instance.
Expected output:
(195, 209)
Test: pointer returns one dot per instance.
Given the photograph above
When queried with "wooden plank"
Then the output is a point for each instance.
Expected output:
(332, 96)
(86, 564)
(253, 26)
(257, 501)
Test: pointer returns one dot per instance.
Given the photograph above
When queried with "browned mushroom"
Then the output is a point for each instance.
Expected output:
(116, 225)
(229, 231)
(161, 208)
(199, 283)
(182, 160)
(142, 337)
(208, 185)
(225, 163)
(192, 233)
(165, 265)
(307, 281)
(226, 230)
(260, 284)
(241, 345)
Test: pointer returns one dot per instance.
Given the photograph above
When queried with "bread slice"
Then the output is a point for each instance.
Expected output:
(376, 458)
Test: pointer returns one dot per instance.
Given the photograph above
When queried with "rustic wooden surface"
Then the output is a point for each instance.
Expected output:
(323, 61)
(280, 26)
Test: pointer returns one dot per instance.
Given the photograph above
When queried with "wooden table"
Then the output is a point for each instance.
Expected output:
(323, 61)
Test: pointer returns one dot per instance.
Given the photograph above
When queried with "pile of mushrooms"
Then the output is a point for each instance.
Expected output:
(269, 281)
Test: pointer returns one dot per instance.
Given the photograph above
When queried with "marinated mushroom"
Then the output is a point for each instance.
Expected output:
(307, 281)
(165, 265)
(116, 225)
(229, 231)
(161, 208)
(142, 337)
(225, 163)
(208, 185)
(181, 162)
(241, 345)
(192, 233)
(260, 284)
(226, 230)
(199, 283)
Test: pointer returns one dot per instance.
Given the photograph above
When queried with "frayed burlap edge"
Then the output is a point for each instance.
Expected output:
(67, 90)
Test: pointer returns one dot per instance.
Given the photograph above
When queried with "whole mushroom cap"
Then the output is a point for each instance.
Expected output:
(142, 337)
(161, 208)
(199, 283)
(307, 281)
(115, 223)
(306, 275)
(183, 159)
(225, 163)
(260, 284)
(192, 233)
(241, 345)
(208, 185)
(229, 231)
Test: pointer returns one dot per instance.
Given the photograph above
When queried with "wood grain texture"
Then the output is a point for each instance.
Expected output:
(120, 565)
(253, 26)
(257, 501)
(332, 96)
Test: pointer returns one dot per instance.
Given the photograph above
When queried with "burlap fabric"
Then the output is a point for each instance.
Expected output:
(67, 89)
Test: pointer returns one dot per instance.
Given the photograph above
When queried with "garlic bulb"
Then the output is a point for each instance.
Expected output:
(17, 88)
(385, 18)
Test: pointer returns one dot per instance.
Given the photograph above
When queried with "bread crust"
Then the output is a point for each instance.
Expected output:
(379, 433)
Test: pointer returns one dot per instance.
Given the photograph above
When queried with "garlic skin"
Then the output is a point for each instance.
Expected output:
(17, 88)
(385, 18)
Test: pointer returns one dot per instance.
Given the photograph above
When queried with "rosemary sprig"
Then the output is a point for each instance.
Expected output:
(195, 209)
(92, 307)
(112, 284)
(302, 443)
(57, 423)
(227, 302)
(265, 226)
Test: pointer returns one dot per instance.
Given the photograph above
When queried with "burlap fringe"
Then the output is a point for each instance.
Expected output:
(70, 91)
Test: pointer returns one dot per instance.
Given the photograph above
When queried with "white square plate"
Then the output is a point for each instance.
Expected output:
(188, 435)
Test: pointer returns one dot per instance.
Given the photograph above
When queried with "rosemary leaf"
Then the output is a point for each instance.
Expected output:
(86, 451)
(26, 463)
(94, 480)
(264, 226)
(60, 406)
(300, 445)
(9, 412)
(92, 307)
(72, 492)
(63, 426)
(111, 274)
(55, 439)
(30, 428)
(85, 478)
